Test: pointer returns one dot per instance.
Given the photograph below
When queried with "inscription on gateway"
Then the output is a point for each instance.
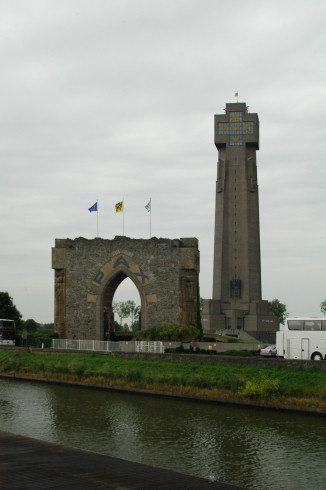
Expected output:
(121, 261)
(98, 278)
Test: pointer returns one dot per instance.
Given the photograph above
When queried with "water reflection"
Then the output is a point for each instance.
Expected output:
(247, 447)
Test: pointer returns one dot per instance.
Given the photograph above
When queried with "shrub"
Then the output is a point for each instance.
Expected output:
(262, 388)
(169, 332)
(191, 350)
(177, 350)
(36, 339)
(241, 353)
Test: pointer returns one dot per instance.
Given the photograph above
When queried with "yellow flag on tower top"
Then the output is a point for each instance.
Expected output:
(119, 207)
(236, 94)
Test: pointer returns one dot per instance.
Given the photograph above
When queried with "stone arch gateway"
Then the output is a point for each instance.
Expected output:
(88, 272)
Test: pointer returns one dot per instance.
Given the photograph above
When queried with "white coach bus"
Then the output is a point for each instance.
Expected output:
(302, 338)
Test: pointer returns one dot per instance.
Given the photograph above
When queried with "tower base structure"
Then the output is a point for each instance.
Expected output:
(255, 318)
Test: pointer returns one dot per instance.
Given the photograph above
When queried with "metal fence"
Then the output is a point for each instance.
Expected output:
(96, 345)
(149, 346)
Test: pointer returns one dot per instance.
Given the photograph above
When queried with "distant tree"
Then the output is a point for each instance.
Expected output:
(279, 310)
(117, 327)
(31, 325)
(201, 304)
(135, 326)
(48, 326)
(8, 310)
(199, 313)
(323, 307)
(126, 309)
(133, 310)
(122, 310)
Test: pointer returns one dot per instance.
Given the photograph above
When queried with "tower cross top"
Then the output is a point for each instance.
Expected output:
(235, 128)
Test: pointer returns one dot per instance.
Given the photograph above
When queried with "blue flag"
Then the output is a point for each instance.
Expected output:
(93, 208)
(148, 205)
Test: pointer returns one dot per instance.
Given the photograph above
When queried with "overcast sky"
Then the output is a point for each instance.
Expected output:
(116, 99)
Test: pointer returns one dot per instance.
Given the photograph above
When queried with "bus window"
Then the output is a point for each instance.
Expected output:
(295, 324)
(323, 325)
(312, 325)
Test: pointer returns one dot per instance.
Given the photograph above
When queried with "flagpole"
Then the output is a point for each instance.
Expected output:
(97, 216)
(123, 216)
(150, 219)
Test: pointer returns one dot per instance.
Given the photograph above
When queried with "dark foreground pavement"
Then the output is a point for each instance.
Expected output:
(32, 464)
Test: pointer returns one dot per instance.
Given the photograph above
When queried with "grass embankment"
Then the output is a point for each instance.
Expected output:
(272, 384)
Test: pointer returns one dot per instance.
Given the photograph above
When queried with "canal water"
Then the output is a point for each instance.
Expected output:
(248, 447)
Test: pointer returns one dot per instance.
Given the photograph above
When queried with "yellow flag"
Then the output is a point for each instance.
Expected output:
(119, 207)
(236, 94)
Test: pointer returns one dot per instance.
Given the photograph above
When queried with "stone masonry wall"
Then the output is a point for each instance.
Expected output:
(164, 271)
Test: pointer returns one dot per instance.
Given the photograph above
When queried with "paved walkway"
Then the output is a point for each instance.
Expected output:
(32, 464)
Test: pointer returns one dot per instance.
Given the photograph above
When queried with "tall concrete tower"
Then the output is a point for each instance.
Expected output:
(237, 303)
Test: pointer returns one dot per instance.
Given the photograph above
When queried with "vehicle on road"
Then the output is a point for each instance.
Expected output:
(7, 332)
(302, 338)
(268, 351)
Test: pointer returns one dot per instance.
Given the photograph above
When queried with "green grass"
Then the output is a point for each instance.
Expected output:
(306, 387)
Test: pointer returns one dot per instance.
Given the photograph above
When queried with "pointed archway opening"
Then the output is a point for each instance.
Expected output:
(121, 305)
(126, 306)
